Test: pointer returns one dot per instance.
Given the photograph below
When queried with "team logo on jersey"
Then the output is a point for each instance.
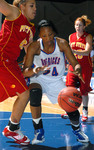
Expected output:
(13, 86)
(27, 29)
(50, 61)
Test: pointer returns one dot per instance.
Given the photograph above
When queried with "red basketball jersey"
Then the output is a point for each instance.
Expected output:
(84, 61)
(80, 44)
(20, 30)
(14, 35)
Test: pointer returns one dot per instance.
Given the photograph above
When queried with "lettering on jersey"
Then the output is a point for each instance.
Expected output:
(81, 46)
(24, 42)
(27, 29)
(78, 44)
(73, 44)
(50, 61)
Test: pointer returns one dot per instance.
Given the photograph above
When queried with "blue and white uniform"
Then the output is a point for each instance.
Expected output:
(51, 80)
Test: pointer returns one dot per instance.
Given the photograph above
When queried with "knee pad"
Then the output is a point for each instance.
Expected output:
(74, 115)
(35, 97)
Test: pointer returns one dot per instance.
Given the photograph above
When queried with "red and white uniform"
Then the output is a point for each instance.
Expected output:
(14, 35)
(84, 61)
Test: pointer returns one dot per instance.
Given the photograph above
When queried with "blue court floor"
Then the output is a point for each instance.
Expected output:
(58, 133)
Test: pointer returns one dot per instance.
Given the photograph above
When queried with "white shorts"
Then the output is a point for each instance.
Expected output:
(50, 88)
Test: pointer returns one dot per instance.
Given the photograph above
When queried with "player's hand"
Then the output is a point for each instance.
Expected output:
(43, 68)
(77, 72)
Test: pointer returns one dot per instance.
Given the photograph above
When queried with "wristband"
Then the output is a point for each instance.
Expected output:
(26, 69)
(77, 66)
(34, 70)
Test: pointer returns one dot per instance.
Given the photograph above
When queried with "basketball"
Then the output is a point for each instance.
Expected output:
(69, 99)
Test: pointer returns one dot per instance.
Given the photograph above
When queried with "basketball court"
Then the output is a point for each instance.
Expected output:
(58, 132)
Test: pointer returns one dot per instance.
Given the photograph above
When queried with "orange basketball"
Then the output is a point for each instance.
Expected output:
(69, 99)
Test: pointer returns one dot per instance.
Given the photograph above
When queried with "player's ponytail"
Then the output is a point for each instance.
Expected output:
(84, 19)
(87, 21)
(17, 3)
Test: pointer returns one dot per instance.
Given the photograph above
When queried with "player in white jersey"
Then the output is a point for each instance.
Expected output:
(53, 76)
(47, 57)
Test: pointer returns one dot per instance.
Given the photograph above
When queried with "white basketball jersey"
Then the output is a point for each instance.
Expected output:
(55, 60)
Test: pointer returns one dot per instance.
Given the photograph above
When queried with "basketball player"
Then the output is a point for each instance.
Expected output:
(16, 32)
(47, 56)
(81, 44)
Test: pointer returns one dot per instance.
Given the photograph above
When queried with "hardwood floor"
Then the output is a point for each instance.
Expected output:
(47, 107)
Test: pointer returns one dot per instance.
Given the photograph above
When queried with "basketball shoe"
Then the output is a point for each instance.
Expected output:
(81, 137)
(64, 116)
(84, 115)
(39, 136)
(16, 135)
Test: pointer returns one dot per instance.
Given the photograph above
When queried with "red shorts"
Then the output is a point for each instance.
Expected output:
(73, 80)
(11, 80)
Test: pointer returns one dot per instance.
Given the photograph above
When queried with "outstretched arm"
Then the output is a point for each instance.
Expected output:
(11, 12)
(64, 47)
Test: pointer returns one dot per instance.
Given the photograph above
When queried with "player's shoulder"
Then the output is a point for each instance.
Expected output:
(61, 40)
(62, 43)
(72, 34)
(89, 35)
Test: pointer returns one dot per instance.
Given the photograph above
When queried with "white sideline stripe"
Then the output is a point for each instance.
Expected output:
(31, 118)
(43, 118)
(51, 107)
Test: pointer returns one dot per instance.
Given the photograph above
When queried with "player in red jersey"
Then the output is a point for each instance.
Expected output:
(16, 32)
(81, 44)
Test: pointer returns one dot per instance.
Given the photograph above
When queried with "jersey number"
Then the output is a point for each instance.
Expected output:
(54, 72)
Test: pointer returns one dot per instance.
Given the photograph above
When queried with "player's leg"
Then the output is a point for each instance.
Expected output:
(19, 106)
(12, 130)
(85, 88)
(74, 119)
(35, 106)
(85, 108)
(73, 81)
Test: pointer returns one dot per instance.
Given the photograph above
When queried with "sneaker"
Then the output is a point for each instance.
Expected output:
(64, 116)
(16, 135)
(81, 137)
(84, 116)
(39, 136)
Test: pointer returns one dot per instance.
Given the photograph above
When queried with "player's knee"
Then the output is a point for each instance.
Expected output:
(35, 97)
(74, 115)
